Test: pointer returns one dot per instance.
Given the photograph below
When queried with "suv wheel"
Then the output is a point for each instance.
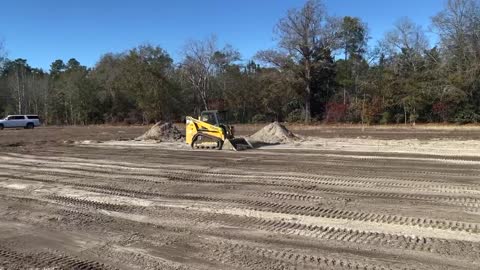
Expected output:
(1, 126)
(30, 126)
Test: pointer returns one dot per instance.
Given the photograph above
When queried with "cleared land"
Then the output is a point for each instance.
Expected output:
(345, 199)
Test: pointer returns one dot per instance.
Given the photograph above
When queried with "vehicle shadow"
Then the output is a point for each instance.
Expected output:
(256, 144)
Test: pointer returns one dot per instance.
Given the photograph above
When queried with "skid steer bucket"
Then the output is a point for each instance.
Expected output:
(236, 144)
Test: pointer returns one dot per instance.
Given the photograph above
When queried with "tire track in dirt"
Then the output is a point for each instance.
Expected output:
(391, 169)
(232, 172)
(466, 202)
(315, 211)
(338, 182)
(289, 209)
(228, 252)
(396, 241)
(99, 162)
(439, 157)
(45, 260)
(259, 213)
(342, 235)
(430, 156)
(307, 210)
(83, 175)
(427, 168)
(254, 180)
(85, 203)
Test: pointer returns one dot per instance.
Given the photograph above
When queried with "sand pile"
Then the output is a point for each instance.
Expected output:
(165, 132)
(274, 133)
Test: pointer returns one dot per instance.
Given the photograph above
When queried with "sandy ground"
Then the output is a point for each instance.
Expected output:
(337, 199)
(440, 147)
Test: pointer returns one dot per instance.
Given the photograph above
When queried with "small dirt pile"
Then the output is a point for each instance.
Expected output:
(164, 132)
(274, 133)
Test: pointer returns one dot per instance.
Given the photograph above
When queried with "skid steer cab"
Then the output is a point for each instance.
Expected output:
(210, 131)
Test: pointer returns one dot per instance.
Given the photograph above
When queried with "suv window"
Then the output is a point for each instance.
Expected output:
(32, 116)
(18, 117)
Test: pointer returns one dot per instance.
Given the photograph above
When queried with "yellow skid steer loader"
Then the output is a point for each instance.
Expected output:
(209, 131)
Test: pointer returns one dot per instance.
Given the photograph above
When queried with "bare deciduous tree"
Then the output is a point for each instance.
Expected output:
(303, 32)
(407, 39)
(458, 27)
(3, 55)
(17, 83)
(275, 58)
(202, 61)
(198, 67)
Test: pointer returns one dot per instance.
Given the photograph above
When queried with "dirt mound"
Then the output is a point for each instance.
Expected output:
(274, 133)
(162, 131)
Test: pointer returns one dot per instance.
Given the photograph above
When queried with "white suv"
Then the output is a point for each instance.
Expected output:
(20, 121)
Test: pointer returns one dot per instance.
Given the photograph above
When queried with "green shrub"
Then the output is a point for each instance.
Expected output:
(466, 116)
(386, 118)
(399, 118)
(413, 117)
(297, 115)
(259, 118)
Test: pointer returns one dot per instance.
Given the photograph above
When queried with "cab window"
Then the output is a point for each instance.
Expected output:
(209, 118)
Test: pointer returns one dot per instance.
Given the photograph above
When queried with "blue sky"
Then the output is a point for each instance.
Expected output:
(42, 31)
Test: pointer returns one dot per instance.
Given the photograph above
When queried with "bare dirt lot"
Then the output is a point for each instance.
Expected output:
(397, 198)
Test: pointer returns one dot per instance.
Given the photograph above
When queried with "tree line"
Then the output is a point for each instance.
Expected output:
(322, 69)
